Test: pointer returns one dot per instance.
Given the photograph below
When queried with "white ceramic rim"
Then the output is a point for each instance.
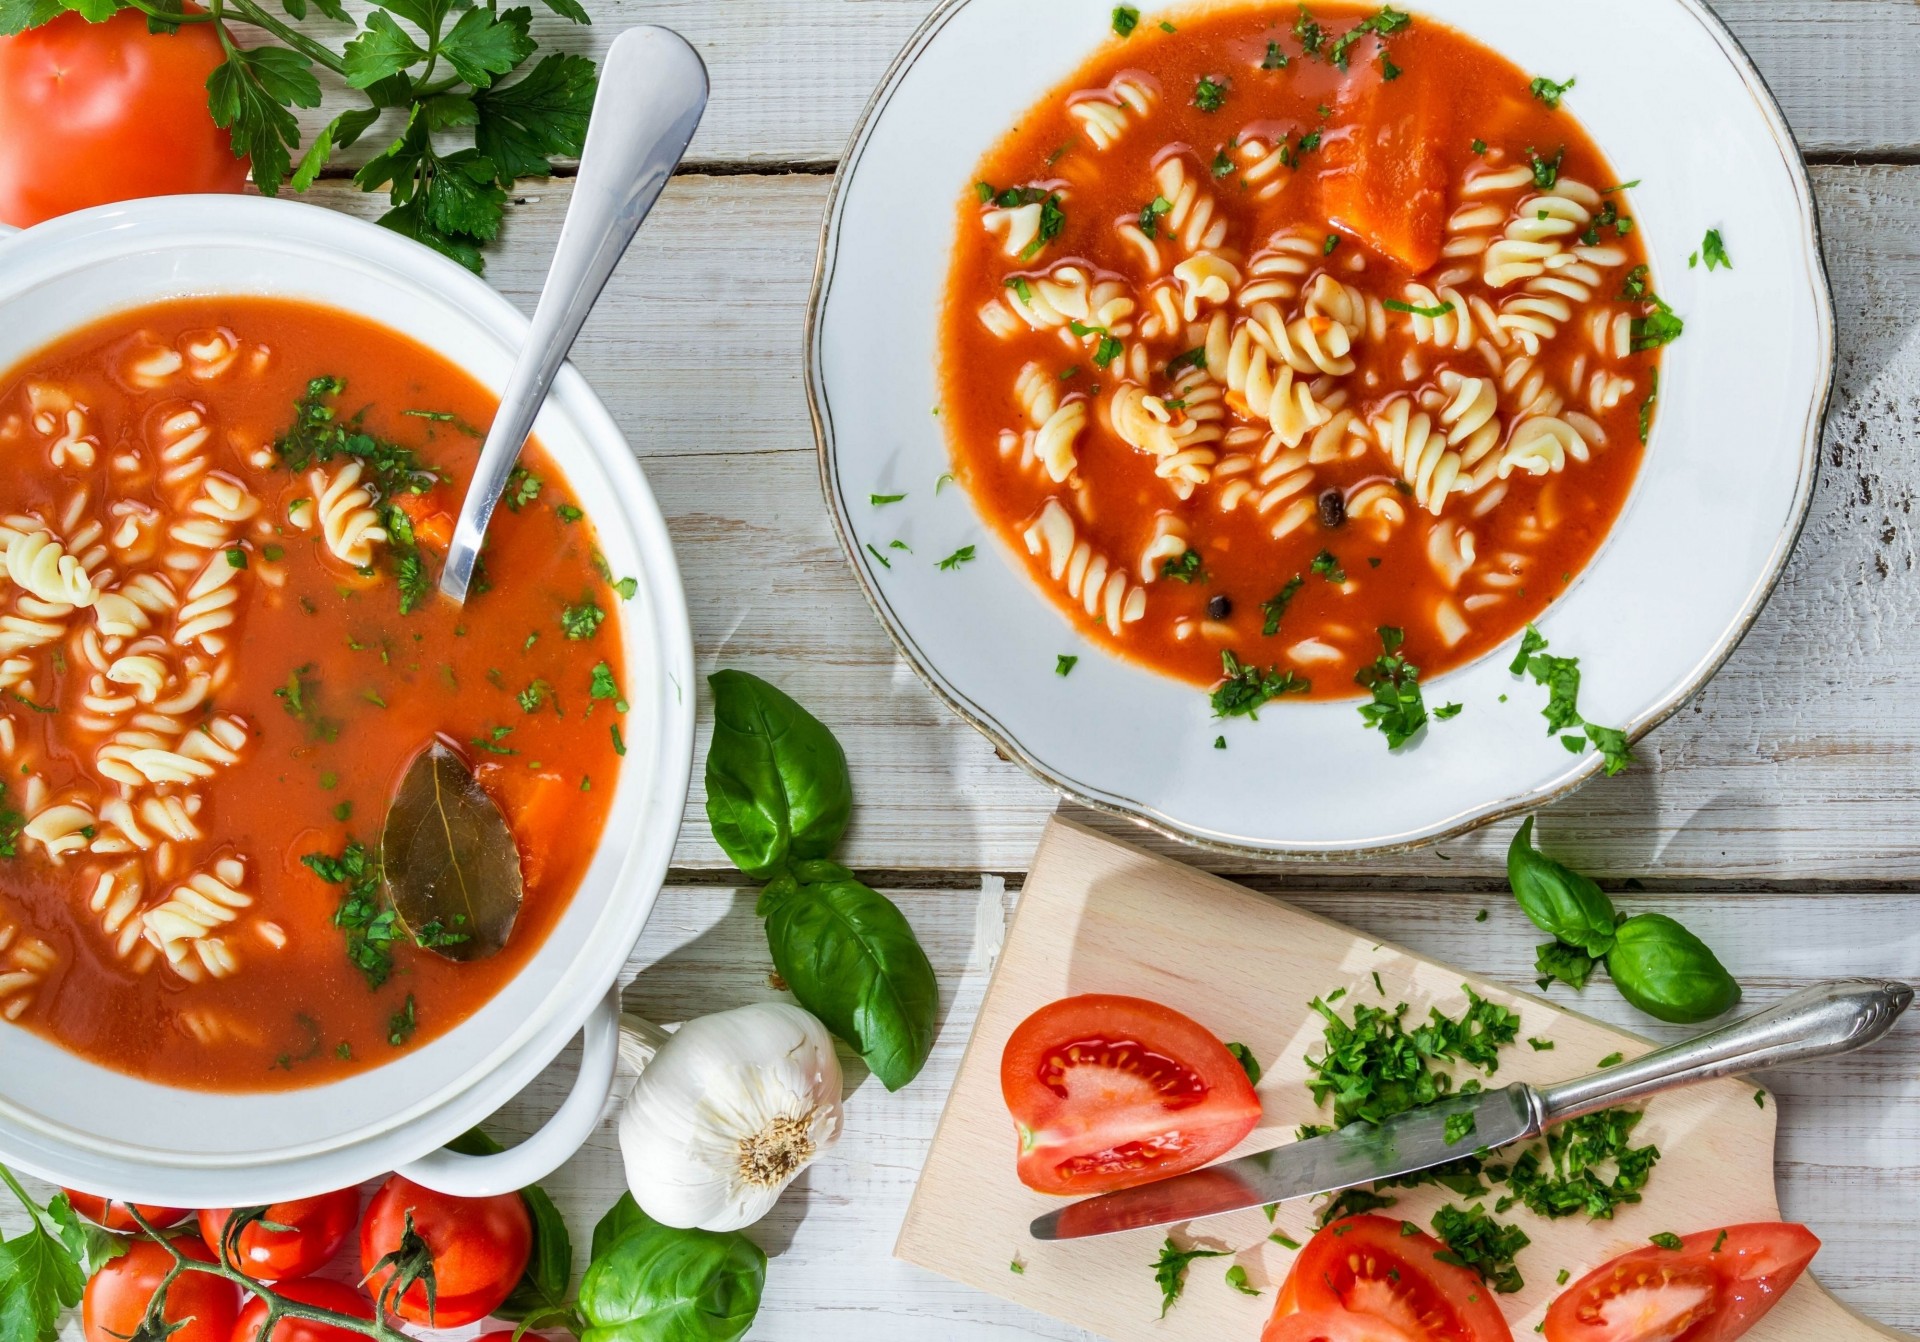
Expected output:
(841, 497)
(650, 791)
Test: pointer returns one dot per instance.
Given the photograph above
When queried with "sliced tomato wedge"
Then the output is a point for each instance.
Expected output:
(1107, 1092)
(1384, 177)
(1370, 1266)
(1331, 1325)
(1712, 1288)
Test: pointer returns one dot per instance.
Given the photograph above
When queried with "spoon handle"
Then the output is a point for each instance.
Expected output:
(653, 89)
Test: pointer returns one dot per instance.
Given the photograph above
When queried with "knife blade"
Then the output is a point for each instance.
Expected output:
(1360, 1153)
(1817, 1022)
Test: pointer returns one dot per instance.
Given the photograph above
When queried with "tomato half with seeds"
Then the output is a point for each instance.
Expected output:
(112, 1215)
(287, 1239)
(1331, 1325)
(1108, 1092)
(1712, 1288)
(1372, 1267)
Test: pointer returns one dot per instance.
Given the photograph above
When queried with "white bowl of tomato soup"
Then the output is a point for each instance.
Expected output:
(1315, 430)
(237, 432)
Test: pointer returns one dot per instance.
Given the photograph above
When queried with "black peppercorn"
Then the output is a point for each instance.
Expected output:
(1333, 508)
(1219, 607)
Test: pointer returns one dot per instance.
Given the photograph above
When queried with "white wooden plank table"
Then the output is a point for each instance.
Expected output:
(1776, 814)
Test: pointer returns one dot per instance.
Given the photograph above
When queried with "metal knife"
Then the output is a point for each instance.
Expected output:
(1817, 1022)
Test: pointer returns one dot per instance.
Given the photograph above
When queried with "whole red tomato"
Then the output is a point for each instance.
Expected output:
(114, 1215)
(118, 1295)
(478, 1248)
(98, 112)
(313, 1230)
(341, 1299)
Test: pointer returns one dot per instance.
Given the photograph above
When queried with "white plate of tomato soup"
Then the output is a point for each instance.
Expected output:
(237, 434)
(1212, 400)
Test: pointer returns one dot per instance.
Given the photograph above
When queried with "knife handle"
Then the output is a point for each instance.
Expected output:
(1816, 1022)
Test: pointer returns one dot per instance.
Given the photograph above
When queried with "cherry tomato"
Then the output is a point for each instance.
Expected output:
(1369, 1266)
(98, 112)
(1107, 1092)
(1713, 1288)
(333, 1295)
(479, 1248)
(118, 1294)
(315, 1230)
(114, 1215)
(1331, 1325)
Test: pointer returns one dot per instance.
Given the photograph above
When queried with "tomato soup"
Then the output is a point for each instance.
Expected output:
(220, 649)
(1294, 337)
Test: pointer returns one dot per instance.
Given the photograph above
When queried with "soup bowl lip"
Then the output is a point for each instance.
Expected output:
(661, 773)
(1085, 791)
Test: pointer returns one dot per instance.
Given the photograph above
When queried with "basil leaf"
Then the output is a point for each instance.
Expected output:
(1668, 972)
(1562, 903)
(652, 1283)
(541, 1292)
(852, 959)
(777, 781)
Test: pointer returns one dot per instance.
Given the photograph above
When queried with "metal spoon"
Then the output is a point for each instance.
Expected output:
(653, 88)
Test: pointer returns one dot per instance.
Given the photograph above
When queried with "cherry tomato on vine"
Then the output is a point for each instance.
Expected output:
(1107, 1092)
(333, 1295)
(1712, 1288)
(114, 1216)
(315, 1228)
(1370, 1267)
(476, 1248)
(117, 1296)
(98, 112)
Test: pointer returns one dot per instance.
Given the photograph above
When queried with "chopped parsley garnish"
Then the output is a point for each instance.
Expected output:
(1328, 567)
(1152, 211)
(11, 822)
(882, 500)
(1476, 1241)
(1719, 1243)
(491, 742)
(1646, 406)
(523, 487)
(1381, 23)
(1274, 609)
(1222, 165)
(534, 697)
(1611, 1060)
(1064, 663)
(1395, 305)
(1125, 20)
(1561, 678)
(1590, 1167)
(1623, 186)
(602, 685)
(1021, 289)
(1209, 93)
(1353, 1202)
(1193, 358)
(1326, 248)
(1052, 220)
(371, 927)
(1374, 1067)
(1546, 171)
(401, 1025)
(1549, 92)
(1170, 1270)
(1244, 689)
(1275, 58)
(1237, 1278)
(1106, 351)
(1186, 568)
(964, 555)
(1166, 27)
(236, 557)
(1666, 1239)
(1661, 326)
(1445, 711)
(582, 620)
(1397, 709)
(1633, 288)
(1312, 36)
(884, 561)
(1478, 146)
(1713, 251)
(619, 743)
(1458, 1128)
(1558, 962)
(1248, 1063)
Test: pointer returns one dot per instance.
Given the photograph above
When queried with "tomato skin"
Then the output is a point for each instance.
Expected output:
(1709, 1296)
(118, 1294)
(316, 1228)
(1107, 1092)
(110, 1215)
(1331, 1325)
(333, 1295)
(479, 1248)
(92, 113)
(1370, 1266)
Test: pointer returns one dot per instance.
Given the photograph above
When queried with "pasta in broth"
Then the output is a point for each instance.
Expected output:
(1276, 336)
(219, 650)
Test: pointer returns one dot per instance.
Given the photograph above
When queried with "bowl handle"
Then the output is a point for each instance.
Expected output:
(545, 1151)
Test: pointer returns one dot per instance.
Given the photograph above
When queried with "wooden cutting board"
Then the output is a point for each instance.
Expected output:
(1099, 916)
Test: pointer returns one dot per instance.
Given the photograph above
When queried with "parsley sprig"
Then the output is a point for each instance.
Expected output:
(449, 69)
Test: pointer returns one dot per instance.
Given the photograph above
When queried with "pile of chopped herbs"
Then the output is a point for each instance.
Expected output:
(1244, 689)
(371, 925)
(318, 436)
(1170, 1270)
(1374, 1067)
(1560, 677)
(1481, 1244)
(1398, 711)
(1573, 1177)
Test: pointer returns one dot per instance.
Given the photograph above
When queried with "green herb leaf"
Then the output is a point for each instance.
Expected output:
(1556, 961)
(1170, 1270)
(481, 45)
(543, 114)
(1476, 1241)
(1186, 568)
(383, 49)
(648, 1282)
(1237, 1279)
(249, 95)
(1668, 972)
(777, 780)
(1588, 1166)
(1556, 899)
(1125, 20)
(1549, 92)
(1398, 710)
(1064, 663)
(451, 866)
(1243, 689)
(1209, 94)
(1274, 609)
(1248, 1063)
(1714, 252)
(852, 959)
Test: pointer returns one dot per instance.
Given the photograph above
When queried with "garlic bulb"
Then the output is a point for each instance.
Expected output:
(727, 1111)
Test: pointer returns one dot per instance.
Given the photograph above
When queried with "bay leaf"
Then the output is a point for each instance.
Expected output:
(451, 868)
